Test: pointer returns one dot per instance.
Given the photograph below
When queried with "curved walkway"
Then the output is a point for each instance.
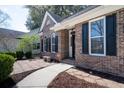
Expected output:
(43, 77)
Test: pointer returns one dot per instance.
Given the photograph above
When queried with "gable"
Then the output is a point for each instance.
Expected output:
(48, 24)
(47, 18)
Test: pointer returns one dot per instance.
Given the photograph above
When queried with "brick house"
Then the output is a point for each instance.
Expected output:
(94, 38)
(49, 38)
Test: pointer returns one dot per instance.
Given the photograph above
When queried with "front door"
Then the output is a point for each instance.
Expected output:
(72, 44)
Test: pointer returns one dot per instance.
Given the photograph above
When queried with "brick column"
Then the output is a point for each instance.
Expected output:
(63, 44)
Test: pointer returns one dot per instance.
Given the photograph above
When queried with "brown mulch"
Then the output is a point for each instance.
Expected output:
(102, 74)
(65, 80)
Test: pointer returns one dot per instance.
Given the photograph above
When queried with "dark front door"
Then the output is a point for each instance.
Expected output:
(73, 45)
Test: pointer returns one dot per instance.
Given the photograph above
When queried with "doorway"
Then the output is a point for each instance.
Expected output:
(71, 44)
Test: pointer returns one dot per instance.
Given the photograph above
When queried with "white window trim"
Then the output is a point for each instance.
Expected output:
(95, 54)
(70, 47)
(52, 43)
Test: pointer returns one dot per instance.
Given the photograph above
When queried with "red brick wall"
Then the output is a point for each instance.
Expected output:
(47, 33)
(63, 44)
(109, 64)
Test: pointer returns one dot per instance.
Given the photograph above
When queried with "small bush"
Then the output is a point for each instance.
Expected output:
(19, 54)
(9, 53)
(28, 54)
(6, 66)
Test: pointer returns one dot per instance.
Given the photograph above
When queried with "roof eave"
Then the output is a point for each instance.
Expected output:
(96, 12)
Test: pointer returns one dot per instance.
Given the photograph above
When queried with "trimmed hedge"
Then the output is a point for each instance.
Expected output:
(6, 66)
(19, 54)
(28, 54)
(9, 53)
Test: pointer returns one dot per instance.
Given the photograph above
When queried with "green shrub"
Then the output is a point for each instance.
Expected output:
(9, 53)
(28, 54)
(6, 66)
(19, 54)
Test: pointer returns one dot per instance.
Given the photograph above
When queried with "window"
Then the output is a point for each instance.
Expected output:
(45, 44)
(36, 46)
(97, 37)
(53, 42)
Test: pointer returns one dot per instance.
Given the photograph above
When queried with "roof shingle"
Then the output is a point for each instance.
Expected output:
(10, 33)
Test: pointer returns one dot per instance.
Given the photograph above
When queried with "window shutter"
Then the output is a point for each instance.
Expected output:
(111, 35)
(56, 44)
(41, 45)
(85, 45)
(49, 44)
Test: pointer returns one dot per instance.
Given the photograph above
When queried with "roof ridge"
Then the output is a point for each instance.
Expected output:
(12, 30)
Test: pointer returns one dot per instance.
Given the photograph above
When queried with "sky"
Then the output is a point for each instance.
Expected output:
(18, 15)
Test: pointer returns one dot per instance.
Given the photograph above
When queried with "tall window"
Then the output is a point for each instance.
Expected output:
(97, 37)
(45, 44)
(53, 42)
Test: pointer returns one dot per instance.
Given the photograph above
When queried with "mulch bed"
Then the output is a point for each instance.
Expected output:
(102, 74)
(65, 80)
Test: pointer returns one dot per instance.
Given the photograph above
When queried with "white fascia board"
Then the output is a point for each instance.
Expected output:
(96, 12)
(44, 20)
(51, 17)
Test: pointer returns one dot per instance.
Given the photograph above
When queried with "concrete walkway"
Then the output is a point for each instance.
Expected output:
(43, 77)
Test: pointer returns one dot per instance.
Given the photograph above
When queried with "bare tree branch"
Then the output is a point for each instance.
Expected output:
(3, 18)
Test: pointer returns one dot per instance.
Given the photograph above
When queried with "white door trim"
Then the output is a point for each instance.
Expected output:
(70, 47)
